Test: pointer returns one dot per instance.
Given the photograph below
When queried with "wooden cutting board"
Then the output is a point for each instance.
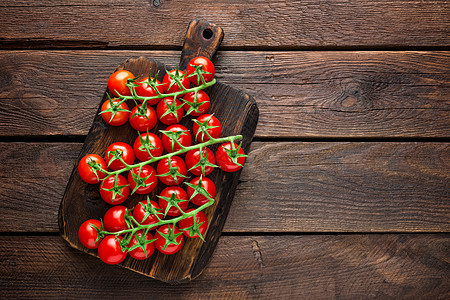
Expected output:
(239, 115)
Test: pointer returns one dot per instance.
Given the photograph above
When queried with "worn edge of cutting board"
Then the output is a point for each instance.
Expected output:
(247, 117)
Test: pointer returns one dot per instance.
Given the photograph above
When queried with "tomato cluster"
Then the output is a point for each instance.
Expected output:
(176, 213)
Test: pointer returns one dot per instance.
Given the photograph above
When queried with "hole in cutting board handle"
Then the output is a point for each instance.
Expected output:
(207, 34)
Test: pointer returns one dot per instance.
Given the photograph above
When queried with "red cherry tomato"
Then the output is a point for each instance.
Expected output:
(117, 82)
(127, 154)
(169, 111)
(151, 142)
(193, 158)
(138, 183)
(172, 244)
(207, 184)
(145, 90)
(87, 173)
(139, 253)
(114, 219)
(171, 195)
(196, 107)
(173, 173)
(88, 234)
(173, 88)
(143, 215)
(190, 229)
(207, 66)
(225, 162)
(117, 115)
(184, 138)
(215, 131)
(114, 194)
(110, 251)
(143, 122)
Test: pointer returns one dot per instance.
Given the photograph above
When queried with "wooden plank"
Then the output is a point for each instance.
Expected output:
(287, 24)
(299, 94)
(312, 267)
(285, 187)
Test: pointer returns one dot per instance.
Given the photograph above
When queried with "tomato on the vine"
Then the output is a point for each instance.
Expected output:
(115, 114)
(173, 133)
(170, 197)
(143, 119)
(171, 171)
(196, 107)
(114, 151)
(145, 90)
(195, 190)
(203, 165)
(110, 251)
(88, 233)
(142, 181)
(118, 82)
(192, 228)
(114, 192)
(169, 112)
(143, 242)
(205, 64)
(171, 86)
(143, 215)
(230, 158)
(204, 125)
(148, 141)
(169, 239)
(89, 168)
(114, 219)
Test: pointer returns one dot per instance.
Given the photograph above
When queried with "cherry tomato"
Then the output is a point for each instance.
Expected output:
(173, 241)
(88, 234)
(89, 166)
(114, 219)
(125, 151)
(215, 129)
(169, 111)
(117, 82)
(193, 158)
(207, 66)
(199, 199)
(173, 88)
(139, 253)
(196, 107)
(148, 141)
(143, 122)
(190, 229)
(117, 114)
(143, 215)
(184, 138)
(171, 195)
(114, 193)
(172, 173)
(110, 251)
(138, 183)
(225, 162)
(145, 90)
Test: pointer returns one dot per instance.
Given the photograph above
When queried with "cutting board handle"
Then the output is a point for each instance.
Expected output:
(202, 39)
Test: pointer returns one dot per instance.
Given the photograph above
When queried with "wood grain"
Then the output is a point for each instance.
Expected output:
(307, 267)
(286, 24)
(326, 94)
(284, 187)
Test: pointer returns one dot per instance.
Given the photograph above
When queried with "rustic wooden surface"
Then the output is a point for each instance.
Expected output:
(346, 190)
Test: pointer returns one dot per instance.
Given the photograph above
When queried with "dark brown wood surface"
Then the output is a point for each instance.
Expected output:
(313, 187)
(346, 190)
(299, 94)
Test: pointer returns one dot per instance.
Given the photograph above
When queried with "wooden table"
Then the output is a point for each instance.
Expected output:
(345, 193)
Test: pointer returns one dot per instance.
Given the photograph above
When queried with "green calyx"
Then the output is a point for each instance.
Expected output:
(172, 202)
(199, 190)
(234, 154)
(170, 237)
(140, 181)
(174, 136)
(198, 71)
(116, 189)
(195, 228)
(173, 171)
(203, 162)
(114, 108)
(172, 109)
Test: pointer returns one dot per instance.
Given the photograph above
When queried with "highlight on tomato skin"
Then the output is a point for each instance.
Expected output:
(174, 241)
(127, 155)
(88, 234)
(139, 253)
(152, 142)
(191, 228)
(205, 64)
(110, 250)
(225, 154)
(114, 192)
(116, 114)
(117, 82)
